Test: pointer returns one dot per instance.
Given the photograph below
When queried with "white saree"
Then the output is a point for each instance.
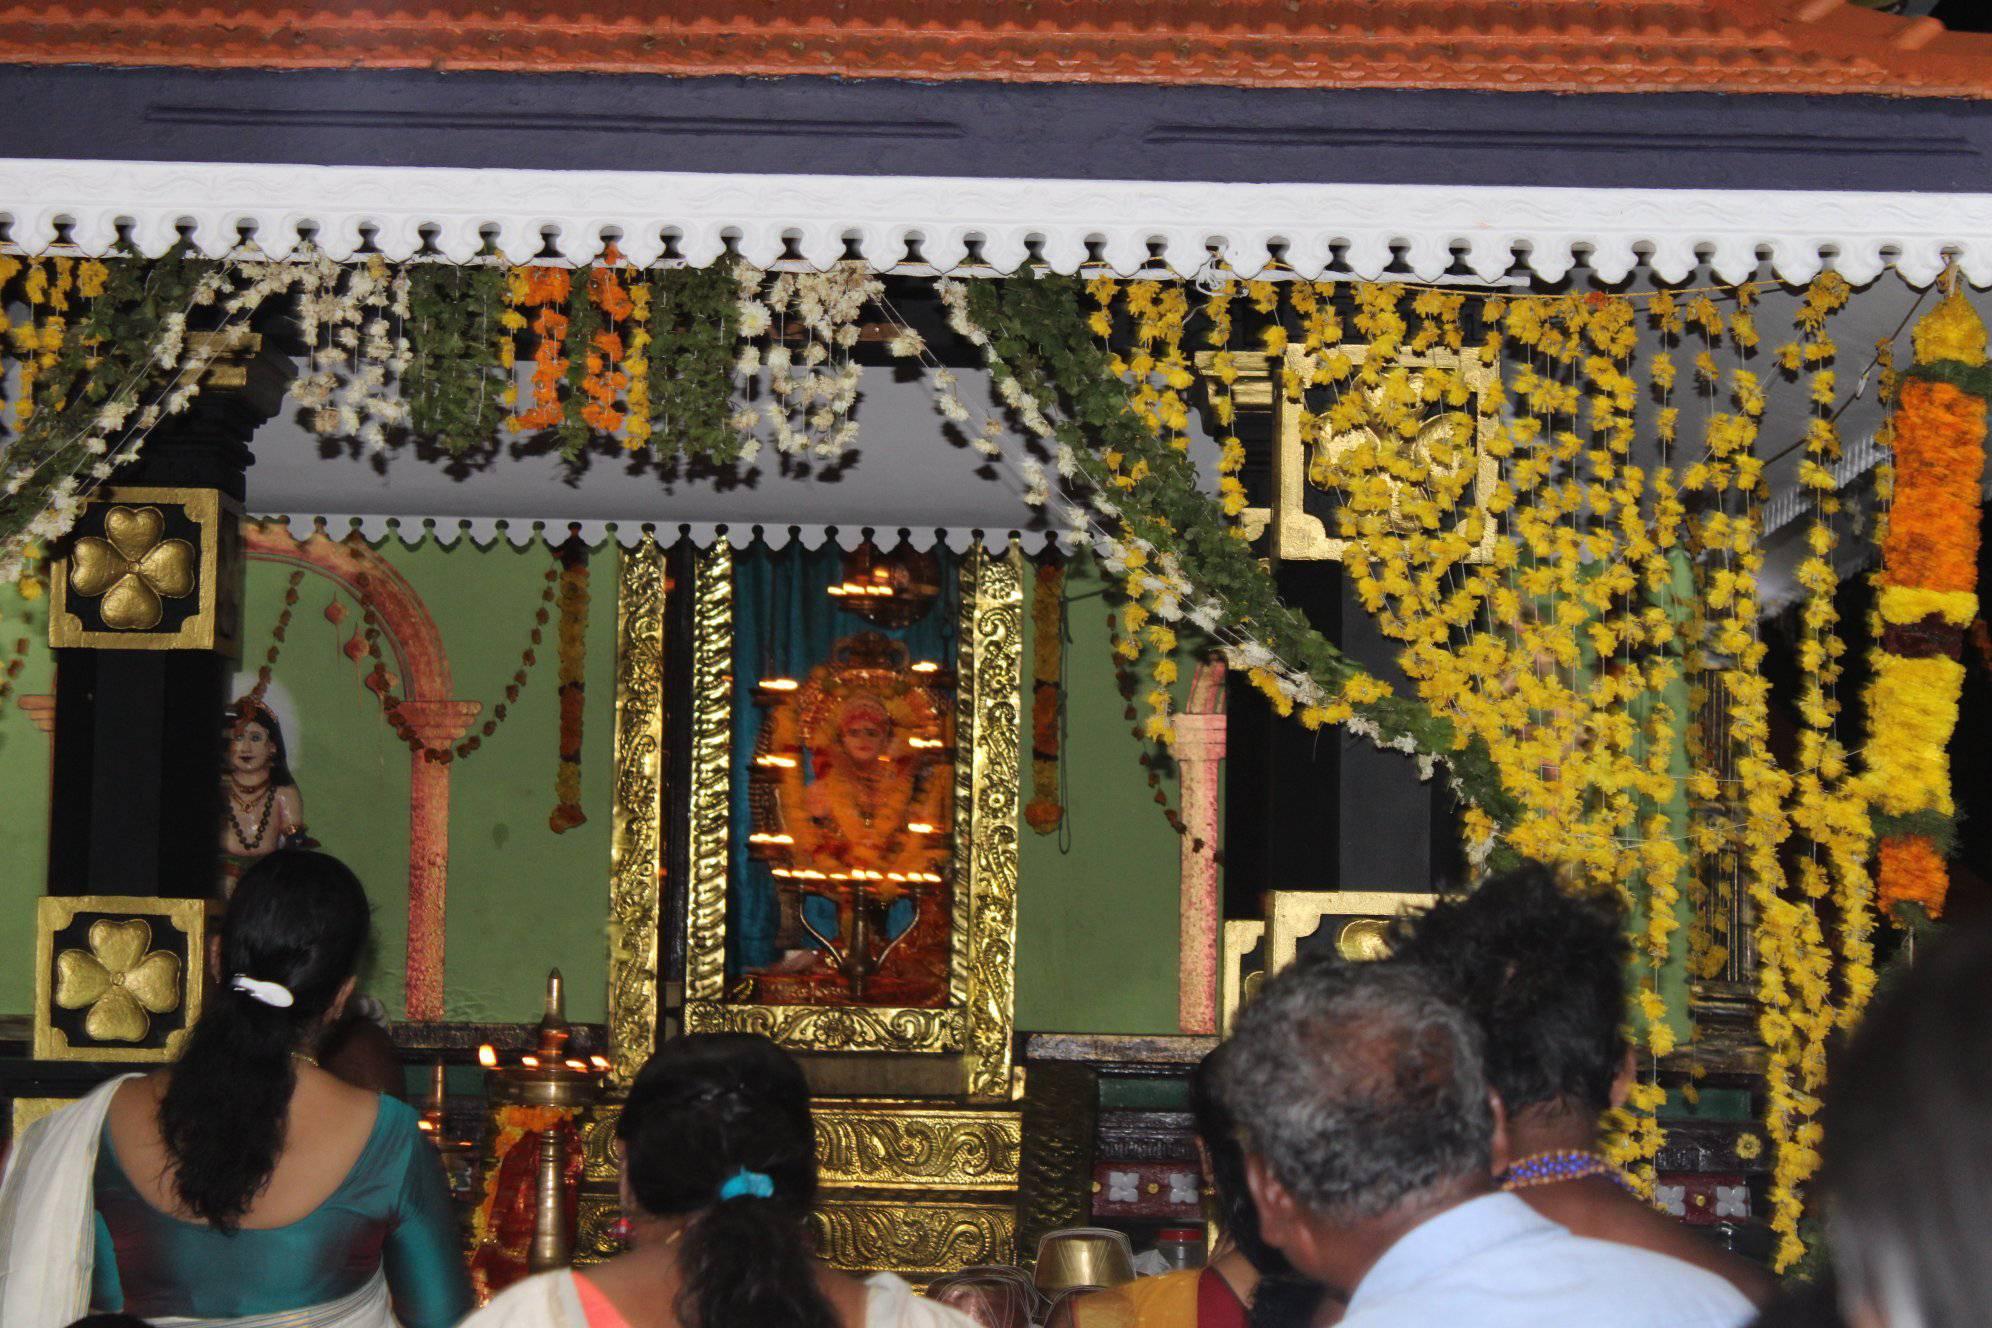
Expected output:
(48, 1234)
(550, 1301)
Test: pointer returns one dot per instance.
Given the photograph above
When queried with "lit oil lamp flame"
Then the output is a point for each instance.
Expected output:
(530, 1062)
(487, 1056)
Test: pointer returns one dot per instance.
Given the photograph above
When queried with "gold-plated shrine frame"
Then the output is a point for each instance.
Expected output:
(977, 1021)
(637, 830)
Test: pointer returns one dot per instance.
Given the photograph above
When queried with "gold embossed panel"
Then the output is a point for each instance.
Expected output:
(117, 978)
(919, 1239)
(149, 568)
(895, 1145)
(1354, 921)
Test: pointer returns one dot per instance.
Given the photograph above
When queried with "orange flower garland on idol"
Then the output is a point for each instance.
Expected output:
(1928, 599)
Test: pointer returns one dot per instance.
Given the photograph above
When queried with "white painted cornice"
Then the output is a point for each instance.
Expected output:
(1337, 230)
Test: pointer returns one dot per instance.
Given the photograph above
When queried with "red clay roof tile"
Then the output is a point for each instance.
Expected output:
(1791, 46)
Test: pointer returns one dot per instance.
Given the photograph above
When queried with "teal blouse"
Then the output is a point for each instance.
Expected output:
(393, 1208)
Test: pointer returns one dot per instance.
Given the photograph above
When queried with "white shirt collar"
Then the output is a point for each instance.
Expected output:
(1446, 1239)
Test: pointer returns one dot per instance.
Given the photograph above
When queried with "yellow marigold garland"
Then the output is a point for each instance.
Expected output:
(636, 368)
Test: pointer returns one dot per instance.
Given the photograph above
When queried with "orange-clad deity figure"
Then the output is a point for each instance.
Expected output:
(853, 807)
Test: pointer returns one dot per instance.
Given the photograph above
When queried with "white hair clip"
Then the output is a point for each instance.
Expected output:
(269, 993)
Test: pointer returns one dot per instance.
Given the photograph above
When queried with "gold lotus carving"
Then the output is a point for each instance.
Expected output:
(120, 978)
(133, 568)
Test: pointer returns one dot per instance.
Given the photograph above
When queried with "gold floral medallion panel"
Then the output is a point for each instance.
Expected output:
(1313, 464)
(1356, 922)
(117, 978)
(150, 568)
(972, 1018)
(920, 1239)
(902, 1145)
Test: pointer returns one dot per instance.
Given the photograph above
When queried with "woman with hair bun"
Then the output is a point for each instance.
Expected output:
(242, 1184)
(718, 1160)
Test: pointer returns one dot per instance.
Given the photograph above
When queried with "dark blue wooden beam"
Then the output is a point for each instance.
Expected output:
(829, 126)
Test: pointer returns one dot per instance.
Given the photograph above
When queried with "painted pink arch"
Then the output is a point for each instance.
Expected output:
(435, 716)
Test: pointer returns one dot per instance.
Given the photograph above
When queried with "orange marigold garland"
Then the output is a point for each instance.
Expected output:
(545, 289)
(604, 379)
(572, 636)
(1928, 599)
(1046, 810)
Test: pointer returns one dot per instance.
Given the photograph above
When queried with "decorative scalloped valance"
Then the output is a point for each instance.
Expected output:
(484, 531)
(1353, 230)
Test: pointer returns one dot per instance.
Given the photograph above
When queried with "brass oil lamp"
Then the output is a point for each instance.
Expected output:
(547, 1077)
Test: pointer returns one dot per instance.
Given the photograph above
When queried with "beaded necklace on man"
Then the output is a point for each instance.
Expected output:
(1556, 1165)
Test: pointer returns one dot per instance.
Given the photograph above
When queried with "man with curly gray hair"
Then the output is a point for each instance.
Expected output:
(1370, 1139)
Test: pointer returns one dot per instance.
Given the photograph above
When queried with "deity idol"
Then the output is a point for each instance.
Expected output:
(857, 789)
(264, 810)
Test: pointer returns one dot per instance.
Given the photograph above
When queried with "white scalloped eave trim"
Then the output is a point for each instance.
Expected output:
(412, 531)
(1349, 229)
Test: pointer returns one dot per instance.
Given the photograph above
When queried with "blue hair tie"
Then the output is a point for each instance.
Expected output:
(745, 1184)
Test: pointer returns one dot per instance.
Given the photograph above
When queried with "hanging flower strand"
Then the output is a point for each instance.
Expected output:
(1928, 599)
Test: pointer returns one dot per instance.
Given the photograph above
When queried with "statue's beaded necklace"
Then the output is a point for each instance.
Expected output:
(242, 835)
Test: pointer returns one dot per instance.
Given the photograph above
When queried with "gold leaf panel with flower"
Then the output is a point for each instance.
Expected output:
(118, 978)
(121, 980)
(132, 567)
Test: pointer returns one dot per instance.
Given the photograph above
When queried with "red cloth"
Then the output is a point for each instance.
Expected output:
(1217, 1305)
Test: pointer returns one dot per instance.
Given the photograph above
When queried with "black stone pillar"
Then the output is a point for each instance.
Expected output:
(1327, 810)
(136, 805)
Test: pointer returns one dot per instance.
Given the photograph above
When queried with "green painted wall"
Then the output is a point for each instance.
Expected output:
(1097, 924)
(23, 798)
(521, 899)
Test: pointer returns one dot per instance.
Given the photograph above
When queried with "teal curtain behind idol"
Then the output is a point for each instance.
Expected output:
(784, 624)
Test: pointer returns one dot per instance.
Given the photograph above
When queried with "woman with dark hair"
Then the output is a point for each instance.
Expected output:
(1248, 1283)
(262, 808)
(1909, 1145)
(1542, 971)
(243, 1183)
(718, 1162)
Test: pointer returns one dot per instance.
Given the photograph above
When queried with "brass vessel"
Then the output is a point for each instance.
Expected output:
(1083, 1257)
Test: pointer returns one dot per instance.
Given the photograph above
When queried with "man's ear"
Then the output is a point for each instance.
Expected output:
(1499, 1152)
(1622, 1082)
(1280, 1214)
